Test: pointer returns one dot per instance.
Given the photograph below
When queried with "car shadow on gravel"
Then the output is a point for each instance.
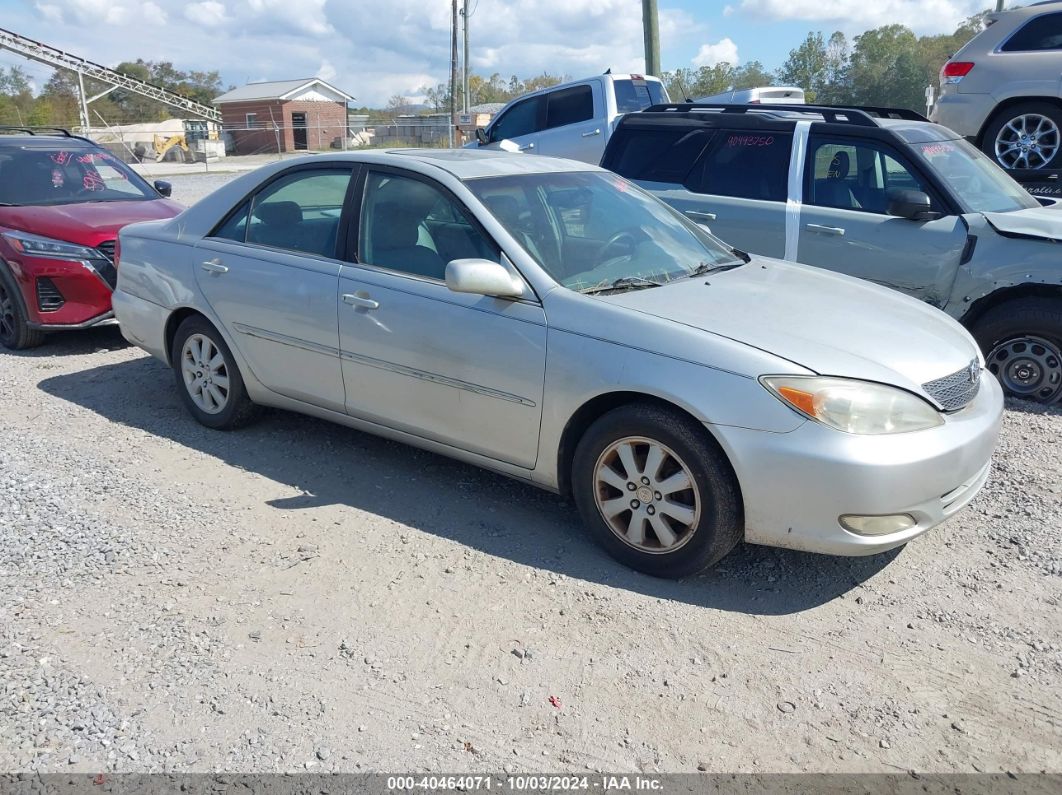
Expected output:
(334, 465)
(74, 343)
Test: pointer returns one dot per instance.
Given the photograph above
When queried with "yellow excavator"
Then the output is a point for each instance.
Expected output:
(163, 145)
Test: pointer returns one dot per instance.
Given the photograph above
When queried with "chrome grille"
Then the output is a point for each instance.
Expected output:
(955, 391)
(107, 249)
(107, 270)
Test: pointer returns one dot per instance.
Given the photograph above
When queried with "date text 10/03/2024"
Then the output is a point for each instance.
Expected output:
(525, 783)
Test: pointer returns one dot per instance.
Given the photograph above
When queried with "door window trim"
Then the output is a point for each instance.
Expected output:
(938, 198)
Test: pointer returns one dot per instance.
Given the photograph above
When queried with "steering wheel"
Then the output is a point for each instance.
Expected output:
(625, 240)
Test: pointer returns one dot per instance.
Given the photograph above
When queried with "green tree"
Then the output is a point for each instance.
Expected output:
(807, 66)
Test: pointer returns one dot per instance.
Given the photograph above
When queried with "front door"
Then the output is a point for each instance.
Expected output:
(845, 227)
(520, 124)
(270, 273)
(298, 130)
(464, 370)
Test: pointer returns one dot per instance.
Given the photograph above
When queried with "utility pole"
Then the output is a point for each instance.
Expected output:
(453, 72)
(651, 26)
(999, 6)
(464, 14)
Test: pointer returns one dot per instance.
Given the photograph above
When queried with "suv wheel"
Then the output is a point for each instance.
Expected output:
(208, 380)
(656, 491)
(15, 333)
(1022, 341)
(1028, 135)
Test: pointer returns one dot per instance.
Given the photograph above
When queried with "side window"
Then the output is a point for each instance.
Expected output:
(569, 106)
(410, 226)
(849, 175)
(521, 119)
(235, 228)
(300, 212)
(745, 164)
(657, 155)
(1041, 33)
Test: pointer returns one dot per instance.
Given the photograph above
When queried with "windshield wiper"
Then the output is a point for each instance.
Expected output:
(623, 283)
(716, 267)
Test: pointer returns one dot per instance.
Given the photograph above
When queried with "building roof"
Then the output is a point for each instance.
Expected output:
(277, 89)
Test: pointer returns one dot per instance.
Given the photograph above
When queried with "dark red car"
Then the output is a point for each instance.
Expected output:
(62, 201)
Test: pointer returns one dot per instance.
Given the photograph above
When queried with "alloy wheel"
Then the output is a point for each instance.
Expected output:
(1028, 367)
(205, 374)
(1028, 141)
(8, 323)
(647, 495)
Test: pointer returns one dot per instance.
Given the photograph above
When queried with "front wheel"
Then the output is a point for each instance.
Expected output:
(15, 332)
(1022, 342)
(656, 491)
(208, 380)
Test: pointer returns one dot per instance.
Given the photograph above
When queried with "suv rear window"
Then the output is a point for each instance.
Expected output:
(1041, 33)
(745, 164)
(635, 95)
(657, 155)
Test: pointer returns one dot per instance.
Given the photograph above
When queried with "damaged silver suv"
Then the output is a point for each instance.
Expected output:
(878, 193)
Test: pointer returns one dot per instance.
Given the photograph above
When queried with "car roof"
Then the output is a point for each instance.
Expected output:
(472, 163)
(16, 141)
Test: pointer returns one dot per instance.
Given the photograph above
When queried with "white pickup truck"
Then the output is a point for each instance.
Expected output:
(573, 120)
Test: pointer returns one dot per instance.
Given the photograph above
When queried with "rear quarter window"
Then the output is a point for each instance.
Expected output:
(1039, 34)
(657, 155)
(745, 164)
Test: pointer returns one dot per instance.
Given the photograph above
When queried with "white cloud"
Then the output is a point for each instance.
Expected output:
(723, 51)
(922, 16)
(209, 13)
(50, 12)
(326, 71)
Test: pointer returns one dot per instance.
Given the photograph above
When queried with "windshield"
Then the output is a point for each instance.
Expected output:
(33, 176)
(590, 230)
(978, 183)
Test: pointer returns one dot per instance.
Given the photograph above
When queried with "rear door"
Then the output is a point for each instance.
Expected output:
(845, 226)
(738, 188)
(575, 123)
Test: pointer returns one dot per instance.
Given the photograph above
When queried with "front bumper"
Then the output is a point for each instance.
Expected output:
(63, 294)
(796, 485)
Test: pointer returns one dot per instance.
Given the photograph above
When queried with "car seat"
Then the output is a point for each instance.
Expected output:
(834, 191)
(395, 232)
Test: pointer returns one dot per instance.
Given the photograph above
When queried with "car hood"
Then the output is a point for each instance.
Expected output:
(1042, 222)
(86, 223)
(828, 323)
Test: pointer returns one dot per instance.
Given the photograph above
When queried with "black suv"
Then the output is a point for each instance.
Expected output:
(878, 193)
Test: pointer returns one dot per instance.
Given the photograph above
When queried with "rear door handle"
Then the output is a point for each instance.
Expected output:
(699, 216)
(825, 230)
(214, 266)
(591, 134)
(360, 301)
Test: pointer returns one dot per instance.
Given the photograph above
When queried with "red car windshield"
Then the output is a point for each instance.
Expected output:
(33, 175)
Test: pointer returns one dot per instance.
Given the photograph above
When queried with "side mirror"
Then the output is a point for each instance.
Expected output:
(482, 277)
(911, 204)
(481, 136)
(164, 188)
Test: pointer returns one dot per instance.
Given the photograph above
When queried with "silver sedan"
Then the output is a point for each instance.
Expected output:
(551, 321)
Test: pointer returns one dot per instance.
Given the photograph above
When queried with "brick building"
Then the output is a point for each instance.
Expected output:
(305, 114)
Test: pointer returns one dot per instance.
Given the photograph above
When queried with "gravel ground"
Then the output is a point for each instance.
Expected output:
(302, 596)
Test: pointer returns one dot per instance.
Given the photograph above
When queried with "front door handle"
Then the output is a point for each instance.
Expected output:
(214, 266)
(360, 301)
(591, 134)
(699, 216)
(526, 147)
(825, 230)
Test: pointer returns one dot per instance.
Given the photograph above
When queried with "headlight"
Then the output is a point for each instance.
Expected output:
(34, 246)
(853, 406)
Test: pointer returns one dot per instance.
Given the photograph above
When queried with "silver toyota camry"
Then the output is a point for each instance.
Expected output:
(551, 321)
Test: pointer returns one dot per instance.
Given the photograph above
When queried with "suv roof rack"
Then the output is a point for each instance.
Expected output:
(38, 130)
(859, 115)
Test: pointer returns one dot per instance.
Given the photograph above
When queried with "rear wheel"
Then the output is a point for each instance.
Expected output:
(1022, 341)
(655, 490)
(1028, 135)
(208, 380)
(15, 333)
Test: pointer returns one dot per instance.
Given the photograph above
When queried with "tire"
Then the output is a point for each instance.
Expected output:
(705, 521)
(215, 395)
(15, 332)
(1022, 343)
(1050, 136)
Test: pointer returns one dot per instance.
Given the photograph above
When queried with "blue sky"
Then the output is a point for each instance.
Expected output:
(375, 49)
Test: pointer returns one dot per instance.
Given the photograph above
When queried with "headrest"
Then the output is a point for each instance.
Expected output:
(395, 225)
(279, 213)
(505, 208)
(839, 166)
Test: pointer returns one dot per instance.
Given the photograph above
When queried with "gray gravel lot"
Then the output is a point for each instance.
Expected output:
(302, 596)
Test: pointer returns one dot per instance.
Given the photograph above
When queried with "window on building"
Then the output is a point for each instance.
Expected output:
(252, 120)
